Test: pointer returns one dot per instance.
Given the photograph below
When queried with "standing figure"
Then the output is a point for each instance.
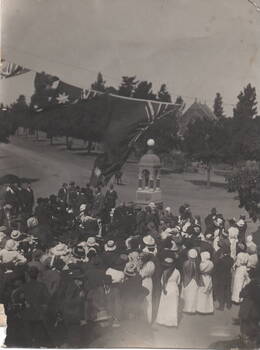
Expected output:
(63, 193)
(98, 203)
(111, 197)
(222, 277)
(118, 177)
(241, 278)
(169, 302)
(233, 237)
(205, 293)
(249, 313)
(72, 195)
(191, 282)
(146, 272)
(34, 314)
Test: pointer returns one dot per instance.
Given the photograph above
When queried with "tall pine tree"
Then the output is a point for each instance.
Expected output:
(218, 106)
(127, 86)
(99, 84)
(144, 90)
(246, 107)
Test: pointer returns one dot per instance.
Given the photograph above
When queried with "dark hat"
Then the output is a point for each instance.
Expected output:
(79, 252)
(119, 264)
(58, 263)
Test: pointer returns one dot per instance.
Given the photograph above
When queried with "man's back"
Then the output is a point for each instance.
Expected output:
(36, 296)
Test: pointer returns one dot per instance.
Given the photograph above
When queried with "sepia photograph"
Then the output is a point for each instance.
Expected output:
(130, 174)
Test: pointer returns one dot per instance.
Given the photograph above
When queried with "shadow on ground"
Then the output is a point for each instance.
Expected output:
(203, 183)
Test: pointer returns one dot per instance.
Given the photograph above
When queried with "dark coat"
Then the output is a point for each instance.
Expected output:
(36, 297)
(70, 301)
(110, 199)
(98, 205)
(51, 279)
(63, 194)
(110, 258)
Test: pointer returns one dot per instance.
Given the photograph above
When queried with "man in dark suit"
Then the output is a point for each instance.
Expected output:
(63, 193)
(98, 203)
(34, 314)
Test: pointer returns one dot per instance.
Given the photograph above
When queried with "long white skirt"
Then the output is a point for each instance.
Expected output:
(148, 283)
(205, 303)
(190, 297)
(168, 307)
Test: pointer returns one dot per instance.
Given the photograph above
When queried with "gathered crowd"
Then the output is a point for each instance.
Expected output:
(78, 258)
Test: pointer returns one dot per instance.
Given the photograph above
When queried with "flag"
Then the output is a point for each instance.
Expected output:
(116, 121)
(51, 92)
(9, 70)
(128, 120)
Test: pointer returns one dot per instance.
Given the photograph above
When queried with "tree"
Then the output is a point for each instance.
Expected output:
(144, 91)
(245, 129)
(179, 101)
(20, 111)
(127, 86)
(246, 181)
(246, 107)
(7, 125)
(218, 106)
(207, 141)
(99, 84)
(163, 94)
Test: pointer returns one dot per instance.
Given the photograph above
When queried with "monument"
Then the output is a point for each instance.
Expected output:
(149, 186)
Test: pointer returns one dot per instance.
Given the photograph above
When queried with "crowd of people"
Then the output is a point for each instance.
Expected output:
(79, 257)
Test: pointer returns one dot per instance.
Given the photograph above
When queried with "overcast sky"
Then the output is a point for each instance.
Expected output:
(196, 47)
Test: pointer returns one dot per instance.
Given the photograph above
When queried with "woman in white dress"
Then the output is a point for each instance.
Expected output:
(233, 232)
(205, 293)
(169, 301)
(146, 272)
(241, 278)
(192, 280)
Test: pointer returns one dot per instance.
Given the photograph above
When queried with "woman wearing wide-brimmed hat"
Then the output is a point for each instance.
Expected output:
(169, 302)
(10, 254)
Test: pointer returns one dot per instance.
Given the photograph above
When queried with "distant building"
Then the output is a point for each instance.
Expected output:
(196, 111)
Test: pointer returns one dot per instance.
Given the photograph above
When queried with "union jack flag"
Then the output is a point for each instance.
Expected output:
(155, 110)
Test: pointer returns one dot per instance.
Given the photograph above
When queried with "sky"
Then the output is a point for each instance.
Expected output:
(196, 47)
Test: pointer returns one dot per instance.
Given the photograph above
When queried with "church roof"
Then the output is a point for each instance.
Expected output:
(196, 111)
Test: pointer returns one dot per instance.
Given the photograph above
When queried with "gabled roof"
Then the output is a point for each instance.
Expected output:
(196, 111)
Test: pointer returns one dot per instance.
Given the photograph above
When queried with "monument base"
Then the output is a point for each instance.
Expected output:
(144, 197)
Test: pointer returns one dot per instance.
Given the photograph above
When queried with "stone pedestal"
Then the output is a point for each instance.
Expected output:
(149, 189)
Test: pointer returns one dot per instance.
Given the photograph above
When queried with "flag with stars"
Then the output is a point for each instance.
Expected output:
(117, 122)
(51, 92)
